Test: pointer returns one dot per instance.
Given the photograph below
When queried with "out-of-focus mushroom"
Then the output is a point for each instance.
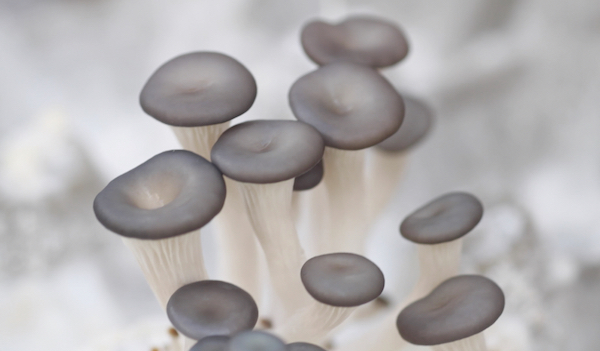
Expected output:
(388, 158)
(454, 315)
(437, 228)
(158, 208)
(353, 107)
(364, 40)
(256, 341)
(338, 282)
(265, 157)
(211, 307)
(197, 94)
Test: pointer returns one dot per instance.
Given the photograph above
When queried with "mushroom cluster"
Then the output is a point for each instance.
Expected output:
(248, 178)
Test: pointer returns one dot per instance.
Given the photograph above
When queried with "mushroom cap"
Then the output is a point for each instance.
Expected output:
(303, 346)
(267, 151)
(460, 307)
(352, 106)
(173, 193)
(309, 179)
(444, 219)
(417, 122)
(198, 89)
(256, 341)
(365, 40)
(211, 307)
(212, 343)
(342, 279)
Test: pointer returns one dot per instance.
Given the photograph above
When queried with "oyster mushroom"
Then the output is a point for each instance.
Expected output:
(364, 40)
(338, 282)
(197, 94)
(211, 307)
(264, 157)
(454, 315)
(437, 228)
(353, 107)
(158, 208)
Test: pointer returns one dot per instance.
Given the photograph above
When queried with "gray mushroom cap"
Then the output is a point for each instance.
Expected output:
(303, 346)
(172, 193)
(460, 307)
(256, 341)
(417, 122)
(309, 179)
(198, 89)
(352, 106)
(444, 219)
(342, 279)
(212, 343)
(364, 40)
(267, 151)
(211, 307)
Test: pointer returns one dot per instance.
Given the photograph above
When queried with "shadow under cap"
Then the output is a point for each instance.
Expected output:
(267, 151)
(309, 179)
(198, 89)
(417, 122)
(458, 308)
(352, 106)
(303, 346)
(444, 219)
(211, 307)
(256, 341)
(172, 193)
(212, 343)
(363, 40)
(342, 279)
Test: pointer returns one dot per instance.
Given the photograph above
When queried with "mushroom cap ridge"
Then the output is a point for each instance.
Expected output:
(351, 105)
(256, 341)
(417, 122)
(211, 307)
(267, 151)
(303, 346)
(309, 179)
(198, 89)
(212, 343)
(173, 193)
(365, 40)
(342, 279)
(443, 219)
(460, 307)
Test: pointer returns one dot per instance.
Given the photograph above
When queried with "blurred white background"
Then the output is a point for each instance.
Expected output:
(515, 86)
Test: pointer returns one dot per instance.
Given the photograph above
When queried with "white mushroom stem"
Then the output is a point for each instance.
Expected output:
(472, 343)
(169, 264)
(299, 205)
(313, 323)
(269, 208)
(239, 258)
(200, 139)
(188, 343)
(344, 180)
(318, 217)
(436, 264)
(310, 215)
(239, 254)
(384, 174)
